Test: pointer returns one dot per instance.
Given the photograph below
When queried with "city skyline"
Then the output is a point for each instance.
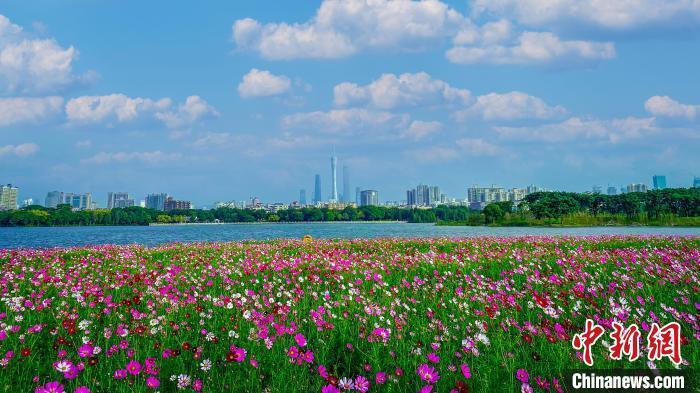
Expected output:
(225, 100)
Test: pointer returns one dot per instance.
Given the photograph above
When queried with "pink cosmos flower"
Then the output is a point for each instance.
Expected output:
(239, 354)
(197, 385)
(426, 389)
(322, 371)
(361, 384)
(293, 352)
(329, 389)
(466, 372)
(522, 375)
(380, 378)
(50, 387)
(433, 357)
(308, 356)
(85, 350)
(133, 367)
(120, 374)
(428, 373)
(152, 382)
(300, 340)
(82, 389)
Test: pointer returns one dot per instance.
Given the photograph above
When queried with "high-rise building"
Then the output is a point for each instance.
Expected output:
(636, 187)
(369, 198)
(302, 197)
(411, 197)
(156, 201)
(172, 204)
(53, 199)
(597, 189)
(357, 196)
(346, 185)
(8, 197)
(612, 190)
(433, 195)
(334, 179)
(28, 202)
(317, 189)
(659, 182)
(119, 200)
(696, 182)
(78, 201)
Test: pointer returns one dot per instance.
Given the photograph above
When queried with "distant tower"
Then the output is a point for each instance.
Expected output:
(659, 182)
(357, 196)
(302, 197)
(317, 189)
(334, 179)
(346, 185)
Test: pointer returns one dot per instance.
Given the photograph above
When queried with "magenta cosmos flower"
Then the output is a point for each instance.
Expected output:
(50, 387)
(522, 375)
(300, 340)
(152, 382)
(466, 372)
(428, 373)
(133, 367)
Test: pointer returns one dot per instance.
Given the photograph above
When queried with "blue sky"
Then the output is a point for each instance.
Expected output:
(228, 100)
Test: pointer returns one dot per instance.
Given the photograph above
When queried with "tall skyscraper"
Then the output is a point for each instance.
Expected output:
(8, 197)
(346, 185)
(53, 199)
(612, 190)
(369, 198)
(659, 182)
(696, 182)
(118, 200)
(334, 179)
(156, 201)
(302, 197)
(317, 189)
(357, 196)
(411, 197)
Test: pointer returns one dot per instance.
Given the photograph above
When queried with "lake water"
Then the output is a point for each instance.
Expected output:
(153, 235)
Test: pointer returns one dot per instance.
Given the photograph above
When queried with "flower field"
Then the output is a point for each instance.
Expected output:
(384, 315)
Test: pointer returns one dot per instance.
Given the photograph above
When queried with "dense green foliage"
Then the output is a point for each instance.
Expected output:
(680, 206)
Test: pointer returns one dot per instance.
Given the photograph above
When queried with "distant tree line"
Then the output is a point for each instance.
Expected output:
(656, 207)
(681, 202)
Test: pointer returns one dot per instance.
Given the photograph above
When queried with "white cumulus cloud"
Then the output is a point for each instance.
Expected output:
(33, 65)
(192, 110)
(28, 110)
(668, 107)
(391, 91)
(121, 109)
(575, 128)
(610, 15)
(263, 83)
(343, 28)
(510, 106)
(23, 150)
(533, 48)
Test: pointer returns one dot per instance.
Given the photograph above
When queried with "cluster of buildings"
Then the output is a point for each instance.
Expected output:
(479, 197)
(658, 182)
(422, 196)
(425, 196)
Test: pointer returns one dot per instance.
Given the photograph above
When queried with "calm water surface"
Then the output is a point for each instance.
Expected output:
(149, 236)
